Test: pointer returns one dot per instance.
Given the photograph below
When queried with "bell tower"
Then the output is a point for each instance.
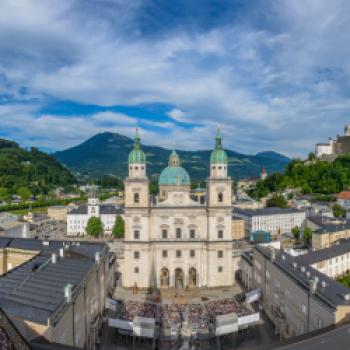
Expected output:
(136, 184)
(219, 183)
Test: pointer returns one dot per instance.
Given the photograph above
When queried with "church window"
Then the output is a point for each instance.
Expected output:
(192, 233)
(220, 254)
(164, 253)
(136, 234)
(178, 253)
(136, 270)
(220, 269)
(136, 198)
(220, 197)
(136, 255)
(220, 234)
(219, 167)
(213, 167)
(178, 233)
(143, 168)
(164, 234)
(192, 253)
(130, 167)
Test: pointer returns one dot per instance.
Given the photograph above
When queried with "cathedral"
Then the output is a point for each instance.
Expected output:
(173, 240)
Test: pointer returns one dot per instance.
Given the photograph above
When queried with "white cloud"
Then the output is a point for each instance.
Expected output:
(272, 87)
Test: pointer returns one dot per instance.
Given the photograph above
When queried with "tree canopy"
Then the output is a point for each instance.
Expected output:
(94, 227)
(318, 177)
(119, 227)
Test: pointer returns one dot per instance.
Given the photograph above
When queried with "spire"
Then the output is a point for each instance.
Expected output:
(218, 139)
(137, 139)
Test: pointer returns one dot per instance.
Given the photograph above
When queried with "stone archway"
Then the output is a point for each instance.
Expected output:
(179, 279)
(192, 277)
(164, 278)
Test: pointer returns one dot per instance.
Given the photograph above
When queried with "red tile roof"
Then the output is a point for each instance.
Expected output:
(344, 195)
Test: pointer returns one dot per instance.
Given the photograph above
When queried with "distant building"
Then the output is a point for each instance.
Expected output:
(238, 228)
(333, 148)
(343, 199)
(77, 218)
(18, 229)
(263, 174)
(327, 231)
(274, 220)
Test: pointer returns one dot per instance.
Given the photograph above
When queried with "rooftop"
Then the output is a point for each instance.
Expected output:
(34, 290)
(327, 290)
(344, 195)
(267, 211)
(327, 224)
(105, 209)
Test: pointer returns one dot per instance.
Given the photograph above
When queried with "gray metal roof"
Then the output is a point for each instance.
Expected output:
(266, 211)
(341, 248)
(328, 225)
(333, 294)
(35, 289)
(104, 209)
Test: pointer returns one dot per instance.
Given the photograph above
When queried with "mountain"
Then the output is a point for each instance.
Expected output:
(30, 168)
(107, 154)
(273, 155)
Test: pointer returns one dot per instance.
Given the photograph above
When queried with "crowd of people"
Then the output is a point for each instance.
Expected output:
(134, 308)
(198, 316)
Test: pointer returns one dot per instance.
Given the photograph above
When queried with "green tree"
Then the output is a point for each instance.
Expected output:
(277, 201)
(94, 227)
(119, 227)
(311, 156)
(307, 234)
(4, 194)
(296, 232)
(338, 211)
(24, 193)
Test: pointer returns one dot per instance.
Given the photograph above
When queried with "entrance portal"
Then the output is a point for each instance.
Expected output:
(164, 278)
(192, 277)
(179, 279)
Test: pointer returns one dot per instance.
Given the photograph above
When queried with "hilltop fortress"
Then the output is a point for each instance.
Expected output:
(334, 148)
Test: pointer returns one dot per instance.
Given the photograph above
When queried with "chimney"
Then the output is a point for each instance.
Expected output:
(97, 257)
(54, 258)
(68, 292)
(61, 252)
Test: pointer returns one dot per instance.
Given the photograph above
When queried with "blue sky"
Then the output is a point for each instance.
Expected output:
(274, 75)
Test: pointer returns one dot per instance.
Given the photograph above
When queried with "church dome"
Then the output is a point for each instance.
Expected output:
(218, 156)
(174, 174)
(137, 155)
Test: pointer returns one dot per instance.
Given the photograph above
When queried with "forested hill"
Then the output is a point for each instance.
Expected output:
(30, 168)
(312, 176)
(107, 154)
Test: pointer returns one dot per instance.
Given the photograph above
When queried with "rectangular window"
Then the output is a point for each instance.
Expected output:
(220, 268)
(178, 253)
(192, 233)
(220, 254)
(164, 253)
(164, 234)
(192, 253)
(136, 255)
(303, 308)
(220, 234)
(136, 270)
(136, 234)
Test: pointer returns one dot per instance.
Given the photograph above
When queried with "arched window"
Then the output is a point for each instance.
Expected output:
(220, 197)
(136, 198)
(178, 233)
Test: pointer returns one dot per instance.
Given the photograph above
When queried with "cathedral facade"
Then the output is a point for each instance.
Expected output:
(175, 241)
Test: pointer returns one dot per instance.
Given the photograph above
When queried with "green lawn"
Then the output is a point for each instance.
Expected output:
(25, 211)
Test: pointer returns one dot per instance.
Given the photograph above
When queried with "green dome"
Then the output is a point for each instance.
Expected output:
(137, 155)
(174, 173)
(218, 156)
